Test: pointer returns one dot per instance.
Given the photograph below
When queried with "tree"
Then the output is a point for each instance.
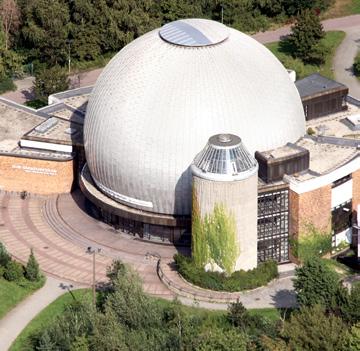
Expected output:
(219, 339)
(356, 66)
(32, 271)
(238, 315)
(10, 19)
(305, 38)
(46, 29)
(127, 301)
(4, 255)
(352, 339)
(311, 329)
(315, 283)
(50, 81)
(351, 310)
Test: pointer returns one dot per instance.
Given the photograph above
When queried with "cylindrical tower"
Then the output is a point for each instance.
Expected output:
(224, 209)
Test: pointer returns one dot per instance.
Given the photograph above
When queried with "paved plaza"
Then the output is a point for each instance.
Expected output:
(60, 230)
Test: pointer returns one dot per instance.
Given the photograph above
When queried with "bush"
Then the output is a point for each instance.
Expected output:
(32, 271)
(6, 84)
(316, 284)
(237, 281)
(14, 271)
(312, 329)
(4, 256)
(356, 66)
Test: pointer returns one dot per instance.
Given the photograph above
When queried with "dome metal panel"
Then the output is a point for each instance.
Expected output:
(155, 105)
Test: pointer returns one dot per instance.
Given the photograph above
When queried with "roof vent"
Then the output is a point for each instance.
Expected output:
(224, 138)
(47, 125)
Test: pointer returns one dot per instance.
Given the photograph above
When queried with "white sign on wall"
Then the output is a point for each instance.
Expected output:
(36, 170)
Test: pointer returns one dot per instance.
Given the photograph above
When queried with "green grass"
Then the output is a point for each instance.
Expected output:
(22, 342)
(355, 7)
(36, 104)
(272, 314)
(12, 293)
(332, 40)
(343, 270)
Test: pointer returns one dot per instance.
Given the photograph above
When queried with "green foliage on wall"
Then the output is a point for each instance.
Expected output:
(199, 246)
(312, 243)
(220, 232)
(214, 237)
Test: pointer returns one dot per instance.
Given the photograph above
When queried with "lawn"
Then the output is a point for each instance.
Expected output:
(332, 40)
(57, 307)
(343, 8)
(12, 293)
(47, 315)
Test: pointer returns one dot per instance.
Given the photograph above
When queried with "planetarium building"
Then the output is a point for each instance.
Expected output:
(158, 102)
(196, 123)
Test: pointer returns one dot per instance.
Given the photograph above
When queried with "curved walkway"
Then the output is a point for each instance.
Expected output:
(278, 293)
(16, 320)
(344, 60)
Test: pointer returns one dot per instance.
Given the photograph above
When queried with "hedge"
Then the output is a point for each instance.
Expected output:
(237, 281)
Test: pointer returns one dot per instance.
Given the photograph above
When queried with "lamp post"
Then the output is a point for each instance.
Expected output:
(93, 252)
(68, 42)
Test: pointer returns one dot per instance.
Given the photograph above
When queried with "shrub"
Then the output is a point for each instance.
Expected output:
(32, 271)
(310, 131)
(6, 84)
(4, 256)
(356, 66)
(237, 281)
(316, 284)
(14, 271)
(313, 329)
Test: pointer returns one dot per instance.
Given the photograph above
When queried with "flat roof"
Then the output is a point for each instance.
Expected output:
(284, 151)
(60, 132)
(64, 111)
(15, 121)
(317, 84)
(336, 125)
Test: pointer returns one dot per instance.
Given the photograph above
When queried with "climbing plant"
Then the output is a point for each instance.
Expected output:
(311, 243)
(214, 237)
(220, 231)
(199, 246)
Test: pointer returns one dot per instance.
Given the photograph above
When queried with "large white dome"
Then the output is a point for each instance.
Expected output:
(161, 97)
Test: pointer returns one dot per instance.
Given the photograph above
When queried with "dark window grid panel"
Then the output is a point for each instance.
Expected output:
(278, 198)
(272, 234)
(270, 205)
(278, 251)
(273, 225)
(341, 217)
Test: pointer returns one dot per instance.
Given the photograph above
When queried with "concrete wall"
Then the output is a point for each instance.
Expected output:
(35, 176)
(240, 198)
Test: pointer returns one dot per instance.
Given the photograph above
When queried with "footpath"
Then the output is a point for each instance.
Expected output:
(17, 319)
